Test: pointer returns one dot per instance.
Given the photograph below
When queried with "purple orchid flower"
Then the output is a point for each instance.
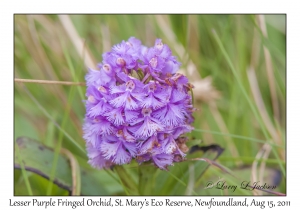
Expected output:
(137, 107)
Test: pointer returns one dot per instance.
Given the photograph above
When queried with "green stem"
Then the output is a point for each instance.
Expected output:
(128, 183)
(146, 179)
(59, 143)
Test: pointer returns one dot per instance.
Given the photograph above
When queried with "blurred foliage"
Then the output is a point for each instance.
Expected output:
(45, 51)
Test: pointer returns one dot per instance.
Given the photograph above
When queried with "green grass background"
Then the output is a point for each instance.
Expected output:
(221, 47)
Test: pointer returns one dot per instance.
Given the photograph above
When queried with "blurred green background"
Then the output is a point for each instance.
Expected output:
(237, 64)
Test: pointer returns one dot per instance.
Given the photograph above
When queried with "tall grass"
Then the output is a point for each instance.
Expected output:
(238, 70)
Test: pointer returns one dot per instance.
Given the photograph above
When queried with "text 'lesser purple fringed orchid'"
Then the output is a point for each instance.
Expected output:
(137, 107)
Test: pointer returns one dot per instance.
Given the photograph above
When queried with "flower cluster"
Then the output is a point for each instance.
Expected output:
(137, 107)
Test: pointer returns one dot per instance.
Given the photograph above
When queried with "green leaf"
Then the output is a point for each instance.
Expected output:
(180, 27)
(38, 159)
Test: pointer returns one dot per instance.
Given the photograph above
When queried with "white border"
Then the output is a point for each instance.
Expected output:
(8, 8)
